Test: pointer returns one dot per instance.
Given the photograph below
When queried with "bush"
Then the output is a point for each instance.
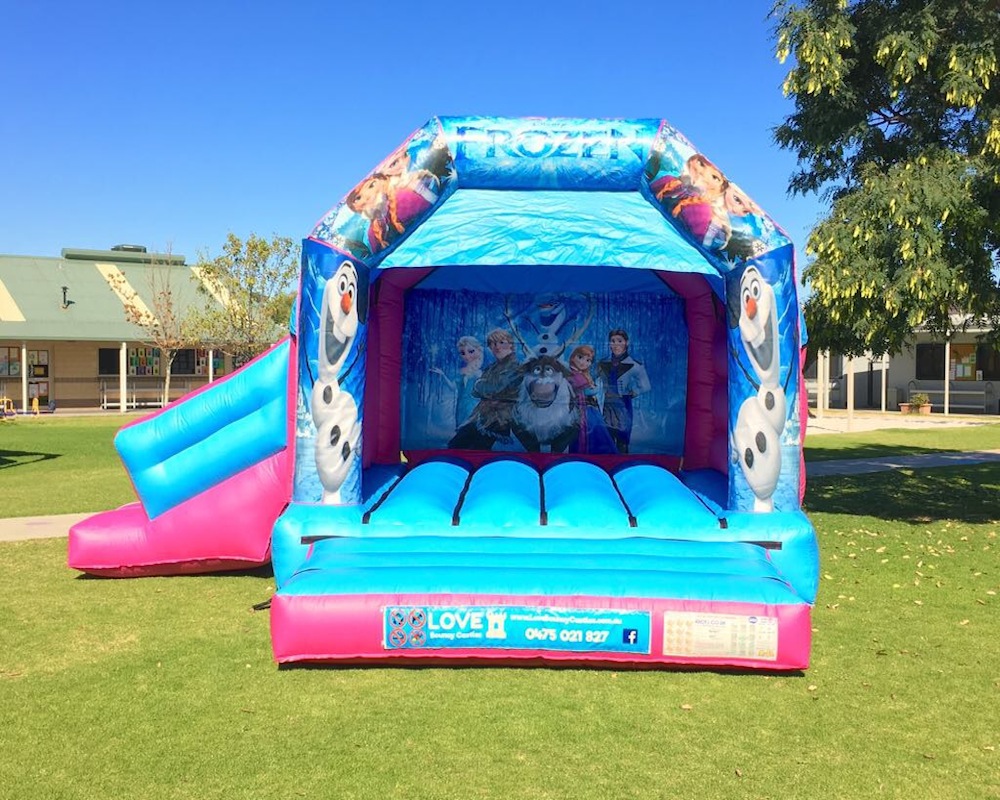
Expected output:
(918, 399)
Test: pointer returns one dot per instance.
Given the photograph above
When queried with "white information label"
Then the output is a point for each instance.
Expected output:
(687, 633)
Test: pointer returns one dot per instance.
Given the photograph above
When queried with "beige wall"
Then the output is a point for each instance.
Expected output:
(74, 381)
(74, 373)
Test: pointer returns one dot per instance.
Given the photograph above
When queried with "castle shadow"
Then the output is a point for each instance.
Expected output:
(963, 493)
(20, 458)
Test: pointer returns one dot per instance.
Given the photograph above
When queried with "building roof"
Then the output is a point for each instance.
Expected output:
(82, 294)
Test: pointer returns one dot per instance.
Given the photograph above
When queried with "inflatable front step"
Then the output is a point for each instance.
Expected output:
(562, 600)
(507, 564)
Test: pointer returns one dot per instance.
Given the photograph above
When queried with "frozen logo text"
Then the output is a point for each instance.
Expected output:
(475, 143)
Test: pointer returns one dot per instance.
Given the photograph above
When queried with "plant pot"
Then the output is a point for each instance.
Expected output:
(924, 409)
(904, 408)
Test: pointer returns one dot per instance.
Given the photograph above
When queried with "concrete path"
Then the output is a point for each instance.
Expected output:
(15, 529)
(855, 466)
(837, 421)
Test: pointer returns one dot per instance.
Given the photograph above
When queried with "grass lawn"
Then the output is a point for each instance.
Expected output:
(901, 441)
(56, 465)
(62, 465)
(165, 688)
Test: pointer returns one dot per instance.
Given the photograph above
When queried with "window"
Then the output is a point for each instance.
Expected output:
(988, 360)
(967, 362)
(10, 362)
(930, 362)
(145, 361)
(108, 361)
(184, 362)
(195, 362)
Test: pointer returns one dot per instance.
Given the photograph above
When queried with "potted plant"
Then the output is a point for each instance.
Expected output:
(920, 403)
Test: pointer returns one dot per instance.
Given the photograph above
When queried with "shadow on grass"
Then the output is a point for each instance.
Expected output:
(413, 663)
(263, 572)
(20, 458)
(873, 450)
(965, 494)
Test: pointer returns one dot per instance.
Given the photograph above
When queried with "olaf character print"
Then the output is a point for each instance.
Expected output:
(761, 418)
(334, 411)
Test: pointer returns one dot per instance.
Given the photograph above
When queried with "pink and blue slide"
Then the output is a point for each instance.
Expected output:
(541, 404)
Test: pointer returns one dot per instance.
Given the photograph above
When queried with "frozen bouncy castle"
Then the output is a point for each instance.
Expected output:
(541, 403)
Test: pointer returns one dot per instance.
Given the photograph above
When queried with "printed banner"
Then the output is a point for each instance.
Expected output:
(393, 199)
(716, 215)
(763, 386)
(516, 628)
(333, 333)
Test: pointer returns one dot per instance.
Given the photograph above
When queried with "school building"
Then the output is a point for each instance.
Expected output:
(960, 375)
(65, 341)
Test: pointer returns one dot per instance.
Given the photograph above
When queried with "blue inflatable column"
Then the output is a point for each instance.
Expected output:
(334, 333)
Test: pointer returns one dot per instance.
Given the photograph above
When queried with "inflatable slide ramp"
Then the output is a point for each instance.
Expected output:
(212, 473)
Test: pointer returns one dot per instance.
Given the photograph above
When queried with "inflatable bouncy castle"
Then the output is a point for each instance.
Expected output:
(541, 403)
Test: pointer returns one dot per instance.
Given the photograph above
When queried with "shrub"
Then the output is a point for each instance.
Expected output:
(918, 399)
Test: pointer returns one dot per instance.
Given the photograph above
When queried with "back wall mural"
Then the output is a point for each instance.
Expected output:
(584, 372)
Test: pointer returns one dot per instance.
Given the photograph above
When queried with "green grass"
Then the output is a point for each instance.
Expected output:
(56, 465)
(165, 688)
(61, 465)
(901, 441)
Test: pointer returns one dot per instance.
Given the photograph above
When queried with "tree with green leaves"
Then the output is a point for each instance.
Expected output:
(165, 319)
(252, 281)
(896, 122)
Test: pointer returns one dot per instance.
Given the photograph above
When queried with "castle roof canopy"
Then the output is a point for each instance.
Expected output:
(492, 191)
(477, 226)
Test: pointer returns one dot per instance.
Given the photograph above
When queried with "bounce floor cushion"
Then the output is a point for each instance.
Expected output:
(505, 564)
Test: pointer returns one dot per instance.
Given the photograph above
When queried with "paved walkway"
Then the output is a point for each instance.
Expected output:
(837, 421)
(855, 466)
(15, 529)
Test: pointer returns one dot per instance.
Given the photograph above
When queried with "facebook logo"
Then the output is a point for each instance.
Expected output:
(630, 636)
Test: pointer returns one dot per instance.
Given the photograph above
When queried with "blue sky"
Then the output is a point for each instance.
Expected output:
(170, 124)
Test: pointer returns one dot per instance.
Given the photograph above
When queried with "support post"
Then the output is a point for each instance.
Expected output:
(885, 381)
(850, 392)
(122, 376)
(24, 377)
(822, 381)
(947, 376)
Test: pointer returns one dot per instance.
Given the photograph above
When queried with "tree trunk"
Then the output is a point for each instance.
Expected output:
(168, 362)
